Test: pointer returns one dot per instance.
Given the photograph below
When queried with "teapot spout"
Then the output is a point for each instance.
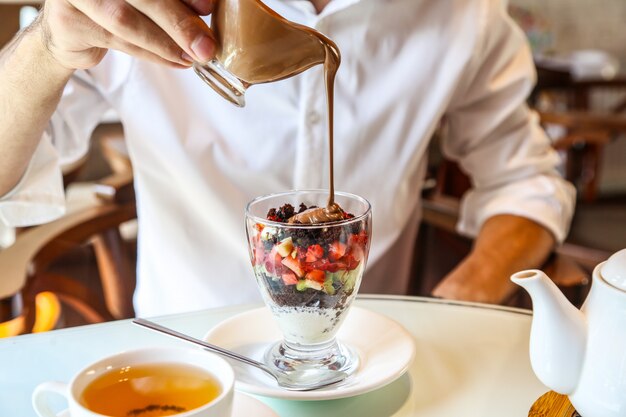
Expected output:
(558, 333)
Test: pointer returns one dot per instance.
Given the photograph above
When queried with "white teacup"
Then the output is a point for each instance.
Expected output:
(205, 363)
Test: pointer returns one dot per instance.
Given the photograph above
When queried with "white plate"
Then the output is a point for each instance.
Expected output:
(243, 406)
(384, 347)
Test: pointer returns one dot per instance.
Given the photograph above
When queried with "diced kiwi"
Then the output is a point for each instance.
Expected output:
(328, 286)
(301, 285)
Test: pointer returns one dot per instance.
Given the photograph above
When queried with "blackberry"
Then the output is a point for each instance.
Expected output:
(305, 237)
(356, 227)
(285, 212)
(271, 215)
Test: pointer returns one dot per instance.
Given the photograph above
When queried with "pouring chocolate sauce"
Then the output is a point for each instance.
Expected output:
(256, 45)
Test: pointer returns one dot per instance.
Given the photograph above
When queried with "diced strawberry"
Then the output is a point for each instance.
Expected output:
(313, 253)
(289, 278)
(294, 265)
(321, 264)
(334, 267)
(259, 227)
(258, 256)
(357, 252)
(316, 275)
(359, 239)
(336, 250)
(351, 262)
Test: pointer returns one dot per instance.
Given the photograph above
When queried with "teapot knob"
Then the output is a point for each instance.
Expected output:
(614, 270)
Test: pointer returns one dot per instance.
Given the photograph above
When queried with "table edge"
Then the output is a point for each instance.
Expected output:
(428, 300)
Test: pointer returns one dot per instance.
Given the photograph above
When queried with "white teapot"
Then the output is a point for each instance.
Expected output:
(582, 354)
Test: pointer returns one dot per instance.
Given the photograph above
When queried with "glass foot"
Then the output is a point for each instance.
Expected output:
(333, 356)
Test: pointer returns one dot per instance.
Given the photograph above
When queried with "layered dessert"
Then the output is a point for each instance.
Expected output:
(309, 270)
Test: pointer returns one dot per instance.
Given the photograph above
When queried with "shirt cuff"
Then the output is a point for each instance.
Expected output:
(39, 196)
(546, 199)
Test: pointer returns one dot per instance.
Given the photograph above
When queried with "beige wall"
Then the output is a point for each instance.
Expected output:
(579, 24)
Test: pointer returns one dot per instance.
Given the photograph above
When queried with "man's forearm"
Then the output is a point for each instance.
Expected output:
(506, 244)
(31, 84)
(513, 243)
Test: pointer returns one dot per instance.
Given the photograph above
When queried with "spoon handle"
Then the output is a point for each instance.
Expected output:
(170, 332)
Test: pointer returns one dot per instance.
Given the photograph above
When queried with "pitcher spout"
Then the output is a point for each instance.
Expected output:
(558, 333)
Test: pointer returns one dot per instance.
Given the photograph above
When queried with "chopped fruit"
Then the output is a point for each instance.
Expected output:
(294, 265)
(359, 239)
(302, 259)
(322, 264)
(314, 252)
(351, 262)
(259, 227)
(328, 287)
(336, 250)
(357, 252)
(316, 275)
(259, 256)
(303, 284)
(314, 285)
(268, 233)
(289, 278)
(284, 247)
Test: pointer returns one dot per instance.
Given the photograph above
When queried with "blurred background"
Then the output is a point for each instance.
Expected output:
(80, 269)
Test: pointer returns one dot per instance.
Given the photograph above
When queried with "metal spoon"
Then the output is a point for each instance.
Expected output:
(295, 380)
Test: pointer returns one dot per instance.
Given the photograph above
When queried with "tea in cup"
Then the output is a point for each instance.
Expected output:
(150, 382)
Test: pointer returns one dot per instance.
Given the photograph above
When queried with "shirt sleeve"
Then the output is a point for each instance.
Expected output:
(497, 140)
(39, 196)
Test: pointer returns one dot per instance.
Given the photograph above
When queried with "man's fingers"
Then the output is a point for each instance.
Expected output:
(125, 22)
(202, 7)
(182, 24)
(108, 40)
(134, 50)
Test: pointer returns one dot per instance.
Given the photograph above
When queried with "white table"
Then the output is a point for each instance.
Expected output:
(472, 361)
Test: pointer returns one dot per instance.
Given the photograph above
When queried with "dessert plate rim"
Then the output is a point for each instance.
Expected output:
(385, 348)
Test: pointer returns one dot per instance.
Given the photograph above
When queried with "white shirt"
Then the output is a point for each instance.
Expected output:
(407, 65)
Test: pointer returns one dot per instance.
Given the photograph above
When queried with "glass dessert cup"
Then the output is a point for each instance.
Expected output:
(308, 275)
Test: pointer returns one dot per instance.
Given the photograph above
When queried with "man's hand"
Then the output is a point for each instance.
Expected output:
(506, 244)
(78, 33)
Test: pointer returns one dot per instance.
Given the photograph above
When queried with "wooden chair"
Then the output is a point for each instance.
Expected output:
(27, 265)
(589, 113)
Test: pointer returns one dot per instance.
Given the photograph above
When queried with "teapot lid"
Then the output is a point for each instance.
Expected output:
(614, 270)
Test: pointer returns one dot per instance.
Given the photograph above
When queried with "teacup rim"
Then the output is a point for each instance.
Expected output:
(227, 388)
